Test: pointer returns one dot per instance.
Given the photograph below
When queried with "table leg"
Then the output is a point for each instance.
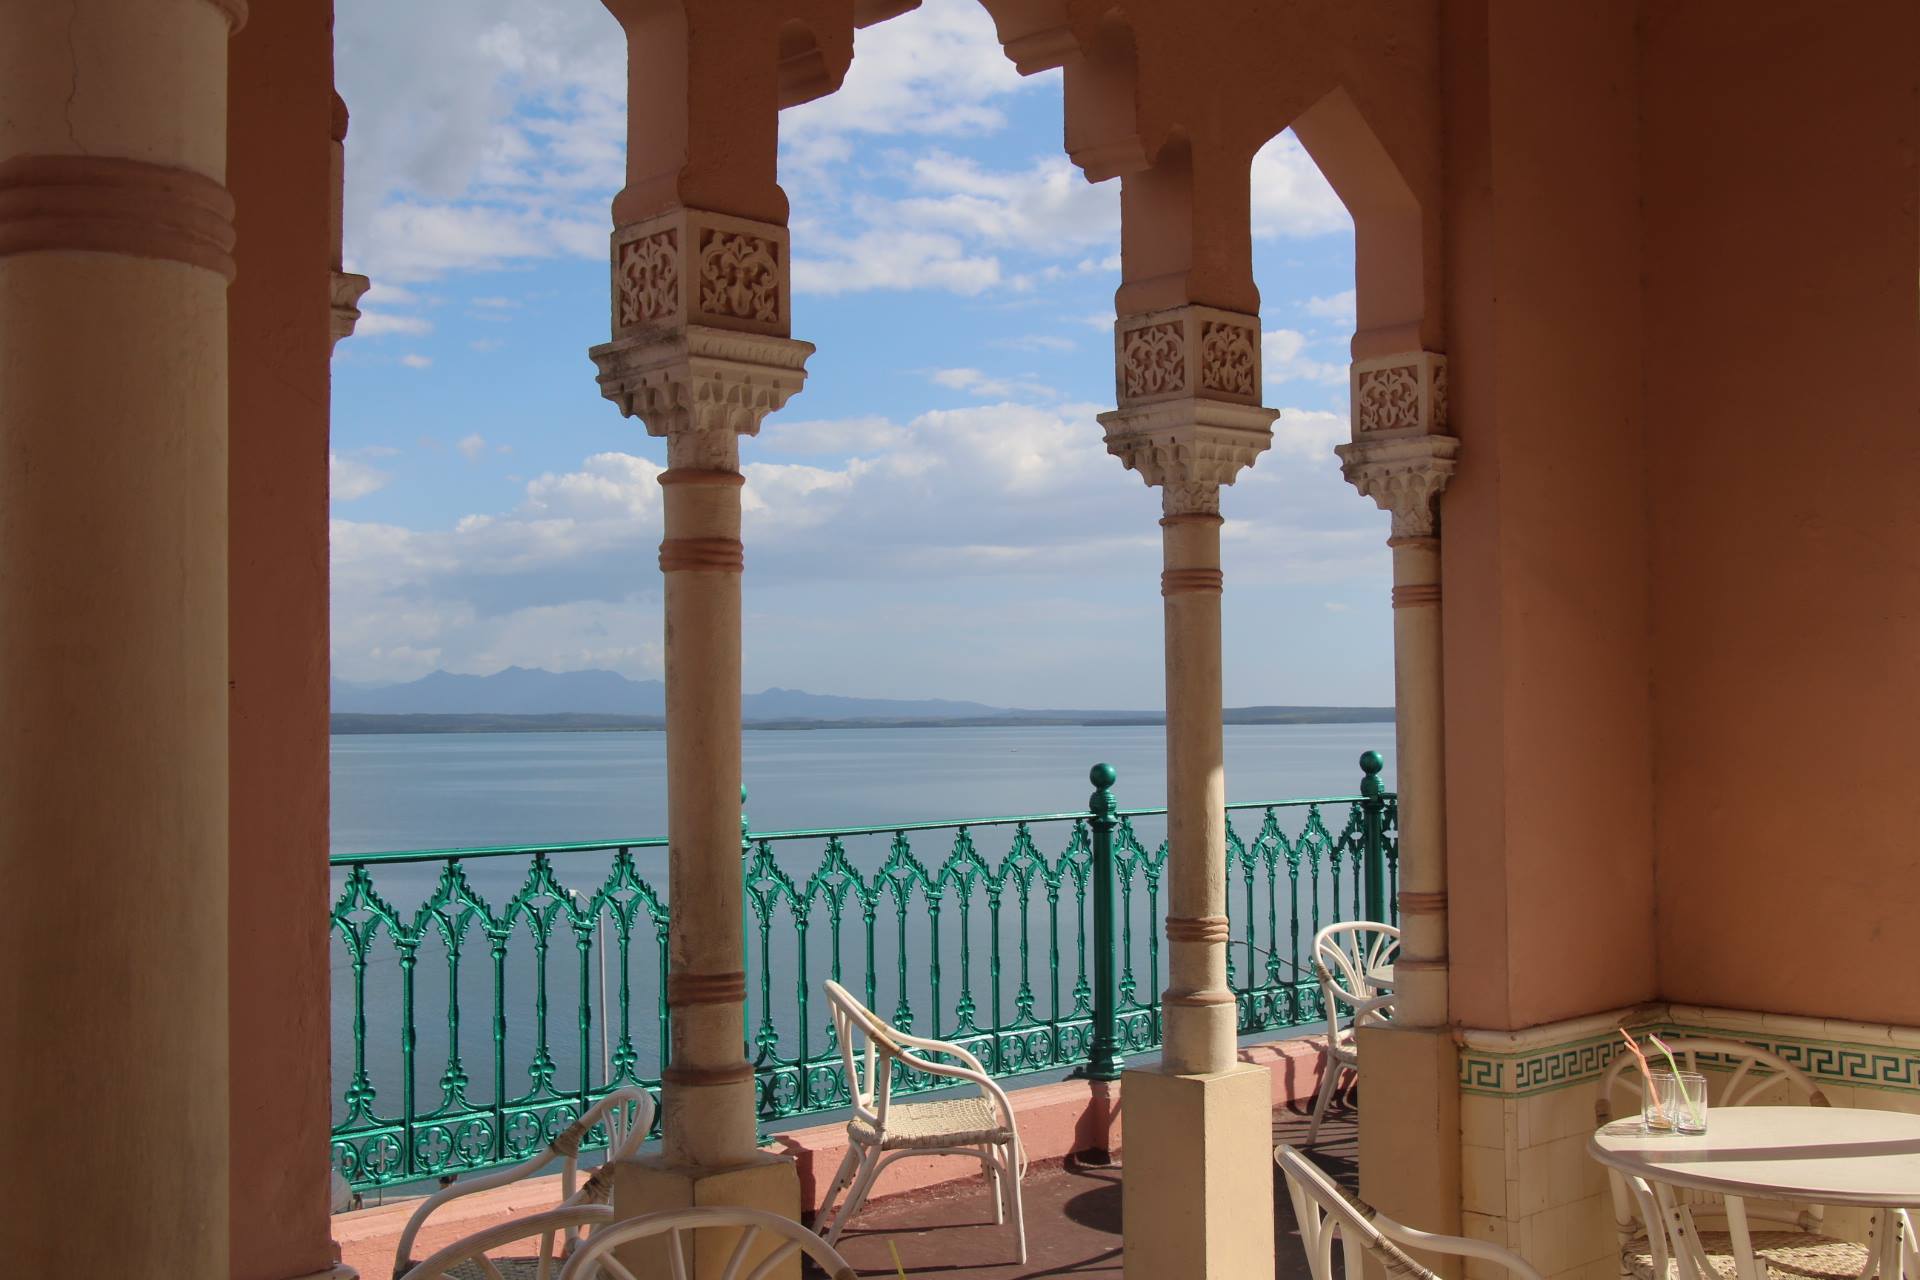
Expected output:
(1744, 1261)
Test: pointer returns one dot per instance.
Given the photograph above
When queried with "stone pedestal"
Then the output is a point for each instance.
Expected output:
(1198, 1195)
(655, 1183)
(1410, 1129)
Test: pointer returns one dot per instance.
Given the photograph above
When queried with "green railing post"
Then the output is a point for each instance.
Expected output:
(1373, 851)
(1103, 1060)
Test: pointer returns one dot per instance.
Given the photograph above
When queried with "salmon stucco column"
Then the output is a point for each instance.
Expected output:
(1402, 458)
(701, 354)
(116, 249)
(1198, 1183)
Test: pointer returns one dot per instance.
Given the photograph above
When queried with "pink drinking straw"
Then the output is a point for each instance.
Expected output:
(1646, 1072)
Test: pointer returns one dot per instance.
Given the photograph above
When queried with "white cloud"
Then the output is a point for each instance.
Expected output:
(372, 324)
(1335, 606)
(987, 387)
(414, 360)
(1284, 359)
(1309, 434)
(349, 479)
(1290, 198)
(940, 70)
(829, 264)
(471, 447)
(829, 436)
(1339, 306)
(1037, 342)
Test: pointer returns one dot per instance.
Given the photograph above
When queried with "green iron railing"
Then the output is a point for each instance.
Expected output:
(1045, 957)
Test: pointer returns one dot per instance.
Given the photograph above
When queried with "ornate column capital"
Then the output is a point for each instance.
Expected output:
(347, 289)
(1188, 384)
(1402, 476)
(1401, 456)
(1400, 395)
(701, 316)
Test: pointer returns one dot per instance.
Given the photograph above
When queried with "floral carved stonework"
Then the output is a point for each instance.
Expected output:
(1387, 400)
(739, 276)
(1153, 361)
(648, 278)
(1227, 358)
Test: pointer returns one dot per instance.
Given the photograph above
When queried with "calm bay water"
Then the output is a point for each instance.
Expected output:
(430, 791)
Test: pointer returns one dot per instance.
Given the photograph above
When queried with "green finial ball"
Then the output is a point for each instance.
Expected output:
(1102, 776)
(1371, 762)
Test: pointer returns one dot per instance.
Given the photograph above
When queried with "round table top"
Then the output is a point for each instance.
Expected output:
(1824, 1155)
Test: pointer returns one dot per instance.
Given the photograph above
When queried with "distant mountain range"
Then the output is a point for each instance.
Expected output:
(531, 699)
(531, 691)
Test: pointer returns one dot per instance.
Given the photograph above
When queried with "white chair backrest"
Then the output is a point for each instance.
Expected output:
(470, 1253)
(627, 1115)
(1344, 955)
(1753, 1071)
(867, 1054)
(750, 1248)
(1753, 1075)
(1326, 1214)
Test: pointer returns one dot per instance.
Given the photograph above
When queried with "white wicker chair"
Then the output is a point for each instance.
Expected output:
(1326, 1213)
(1344, 958)
(628, 1116)
(469, 1258)
(882, 1130)
(595, 1258)
(1779, 1240)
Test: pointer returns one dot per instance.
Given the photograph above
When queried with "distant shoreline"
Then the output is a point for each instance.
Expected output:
(357, 723)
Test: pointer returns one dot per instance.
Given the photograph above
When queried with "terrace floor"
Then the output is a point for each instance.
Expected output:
(1073, 1220)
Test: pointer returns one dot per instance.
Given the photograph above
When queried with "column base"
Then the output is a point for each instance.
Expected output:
(1410, 1129)
(1197, 1180)
(652, 1184)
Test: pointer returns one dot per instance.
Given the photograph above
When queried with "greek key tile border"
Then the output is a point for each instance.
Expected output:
(1539, 1071)
(1543, 1070)
(1863, 1066)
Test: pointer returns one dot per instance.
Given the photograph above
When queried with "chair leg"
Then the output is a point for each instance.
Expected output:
(1330, 1073)
(1011, 1157)
(848, 1163)
(990, 1169)
(862, 1183)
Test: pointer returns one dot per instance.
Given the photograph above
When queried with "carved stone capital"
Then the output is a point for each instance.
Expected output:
(1400, 396)
(700, 379)
(692, 267)
(1187, 352)
(346, 293)
(1403, 476)
(1189, 448)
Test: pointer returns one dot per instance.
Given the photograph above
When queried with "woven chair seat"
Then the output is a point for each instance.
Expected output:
(951, 1122)
(1786, 1255)
(510, 1269)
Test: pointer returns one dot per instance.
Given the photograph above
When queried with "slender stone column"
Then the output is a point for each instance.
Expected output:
(1197, 1124)
(700, 353)
(1401, 457)
(116, 236)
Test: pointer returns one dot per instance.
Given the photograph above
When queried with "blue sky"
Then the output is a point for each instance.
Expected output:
(934, 515)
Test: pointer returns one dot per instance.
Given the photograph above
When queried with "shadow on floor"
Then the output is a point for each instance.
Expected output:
(1073, 1219)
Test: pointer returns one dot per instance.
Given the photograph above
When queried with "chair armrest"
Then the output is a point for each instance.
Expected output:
(453, 1191)
(1459, 1246)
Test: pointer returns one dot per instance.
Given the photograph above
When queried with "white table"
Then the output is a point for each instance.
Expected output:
(1814, 1155)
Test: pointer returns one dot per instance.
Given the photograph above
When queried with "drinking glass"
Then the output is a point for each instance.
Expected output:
(1675, 1103)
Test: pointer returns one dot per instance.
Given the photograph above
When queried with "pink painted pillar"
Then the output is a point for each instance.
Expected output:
(280, 142)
